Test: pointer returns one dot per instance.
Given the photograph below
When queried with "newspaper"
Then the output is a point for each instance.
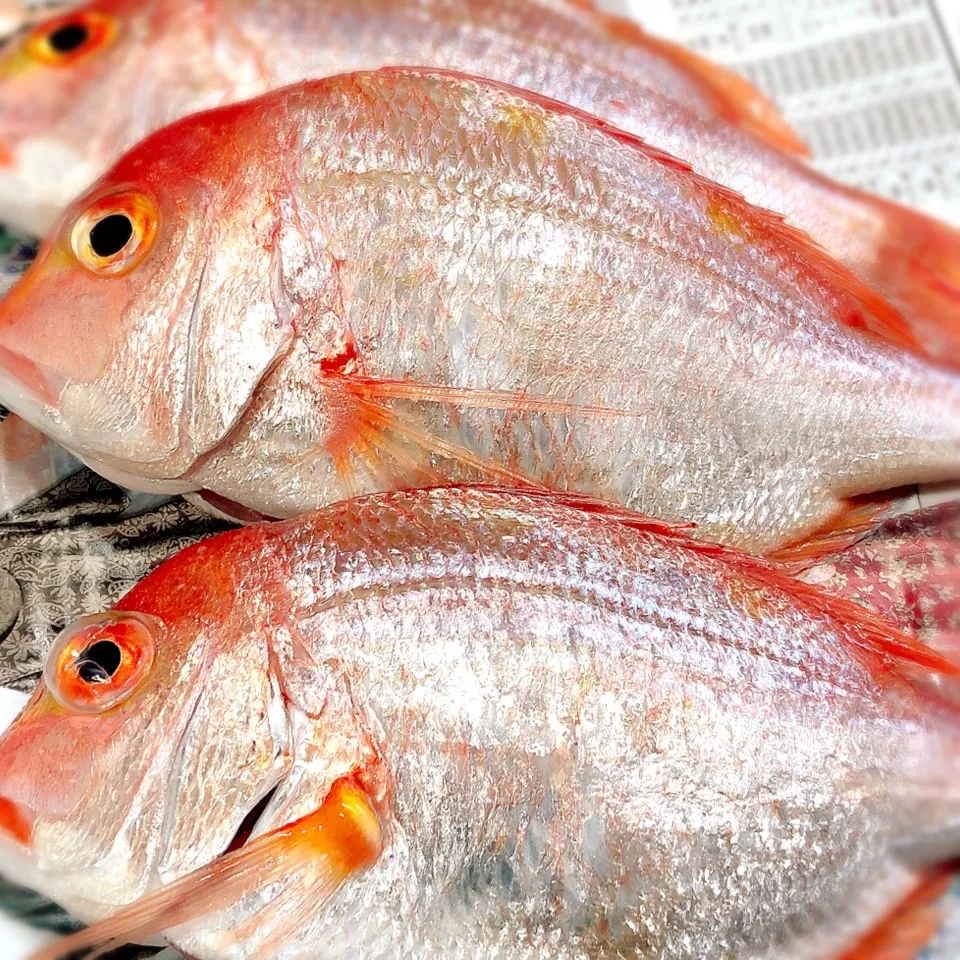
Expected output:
(873, 86)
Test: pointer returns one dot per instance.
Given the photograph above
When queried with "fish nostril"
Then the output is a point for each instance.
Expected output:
(15, 821)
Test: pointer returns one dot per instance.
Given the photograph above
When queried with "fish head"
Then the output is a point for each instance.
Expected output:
(155, 731)
(79, 88)
(139, 333)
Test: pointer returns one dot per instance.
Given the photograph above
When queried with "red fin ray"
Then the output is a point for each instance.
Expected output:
(516, 401)
(393, 462)
(735, 98)
(911, 926)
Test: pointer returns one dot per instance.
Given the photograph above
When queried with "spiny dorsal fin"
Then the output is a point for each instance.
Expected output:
(737, 100)
(868, 312)
(734, 97)
(878, 641)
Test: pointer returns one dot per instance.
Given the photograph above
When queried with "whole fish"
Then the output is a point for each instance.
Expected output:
(408, 277)
(81, 88)
(472, 723)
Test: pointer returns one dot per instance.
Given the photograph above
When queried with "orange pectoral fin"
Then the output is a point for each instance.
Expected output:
(910, 927)
(338, 840)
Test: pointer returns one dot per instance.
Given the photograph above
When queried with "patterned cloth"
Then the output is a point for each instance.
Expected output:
(74, 550)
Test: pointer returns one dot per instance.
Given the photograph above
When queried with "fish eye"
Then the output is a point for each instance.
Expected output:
(100, 661)
(110, 235)
(72, 37)
(69, 37)
(115, 234)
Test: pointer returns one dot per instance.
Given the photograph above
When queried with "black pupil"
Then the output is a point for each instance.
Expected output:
(99, 662)
(67, 38)
(111, 235)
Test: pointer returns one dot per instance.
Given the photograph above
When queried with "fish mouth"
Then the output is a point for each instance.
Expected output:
(33, 385)
(123, 476)
(16, 822)
(34, 393)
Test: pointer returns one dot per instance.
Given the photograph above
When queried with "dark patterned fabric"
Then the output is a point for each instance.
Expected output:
(75, 550)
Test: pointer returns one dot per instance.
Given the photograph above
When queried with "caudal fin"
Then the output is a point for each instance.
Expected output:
(908, 571)
(919, 268)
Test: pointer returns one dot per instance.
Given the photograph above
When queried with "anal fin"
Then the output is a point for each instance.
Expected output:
(853, 519)
(910, 926)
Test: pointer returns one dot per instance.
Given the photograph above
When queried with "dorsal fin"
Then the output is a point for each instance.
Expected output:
(869, 313)
(735, 98)
(876, 640)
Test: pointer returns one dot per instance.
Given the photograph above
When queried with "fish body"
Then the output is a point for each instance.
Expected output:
(581, 739)
(387, 279)
(65, 117)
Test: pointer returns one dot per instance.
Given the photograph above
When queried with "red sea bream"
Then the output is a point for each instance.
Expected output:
(483, 724)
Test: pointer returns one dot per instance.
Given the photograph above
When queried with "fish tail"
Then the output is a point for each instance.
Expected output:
(907, 570)
(918, 264)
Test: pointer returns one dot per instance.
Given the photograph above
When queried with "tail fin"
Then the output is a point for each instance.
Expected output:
(908, 571)
(919, 267)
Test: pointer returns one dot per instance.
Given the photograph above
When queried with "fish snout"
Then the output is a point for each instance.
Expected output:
(20, 375)
(16, 817)
(16, 821)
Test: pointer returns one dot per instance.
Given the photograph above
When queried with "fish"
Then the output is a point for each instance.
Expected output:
(411, 277)
(17, 14)
(467, 722)
(85, 86)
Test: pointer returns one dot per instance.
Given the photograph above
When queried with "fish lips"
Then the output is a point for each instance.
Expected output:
(34, 392)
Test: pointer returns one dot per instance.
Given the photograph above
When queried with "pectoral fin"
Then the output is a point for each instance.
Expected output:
(340, 839)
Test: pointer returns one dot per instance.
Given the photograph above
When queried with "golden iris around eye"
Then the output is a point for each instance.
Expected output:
(101, 660)
(72, 37)
(115, 234)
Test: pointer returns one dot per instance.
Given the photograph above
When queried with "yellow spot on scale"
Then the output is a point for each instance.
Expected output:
(727, 221)
(523, 122)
